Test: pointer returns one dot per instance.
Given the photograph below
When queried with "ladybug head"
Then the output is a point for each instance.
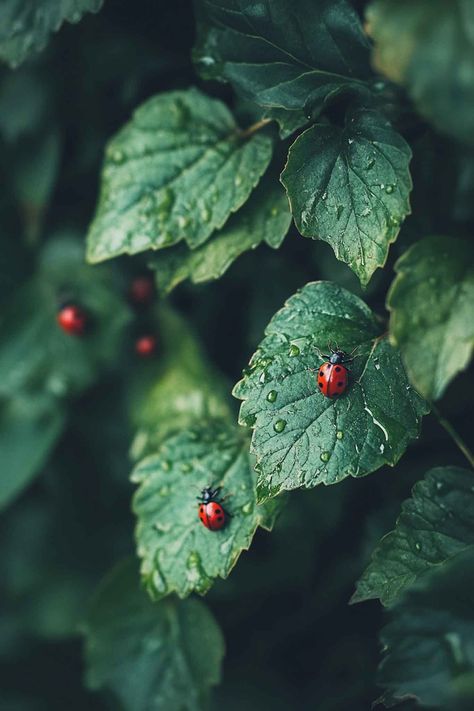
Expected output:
(206, 495)
(337, 357)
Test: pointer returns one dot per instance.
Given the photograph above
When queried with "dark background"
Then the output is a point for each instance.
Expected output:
(292, 639)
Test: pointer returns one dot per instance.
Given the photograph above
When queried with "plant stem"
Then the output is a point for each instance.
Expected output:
(255, 127)
(454, 435)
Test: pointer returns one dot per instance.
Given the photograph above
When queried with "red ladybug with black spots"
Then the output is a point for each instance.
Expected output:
(212, 514)
(333, 376)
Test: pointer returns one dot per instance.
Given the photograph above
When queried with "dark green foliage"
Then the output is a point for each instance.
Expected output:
(196, 144)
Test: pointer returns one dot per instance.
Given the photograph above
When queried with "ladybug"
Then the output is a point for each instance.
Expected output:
(213, 516)
(333, 376)
(145, 346)
(72, 319)
(142, 290)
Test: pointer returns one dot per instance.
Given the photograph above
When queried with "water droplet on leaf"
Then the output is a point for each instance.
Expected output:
(279, 425)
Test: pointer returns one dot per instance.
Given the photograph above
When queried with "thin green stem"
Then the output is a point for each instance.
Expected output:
(255, 127)
(454, 435)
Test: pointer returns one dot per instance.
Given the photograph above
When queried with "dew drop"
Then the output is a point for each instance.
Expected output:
(325, 456)
(158, 581)
(274, 211)
(237, 181)
(247, 508)
(294, 350)
(418, 546)
(389, 189)
(205, 215)
(272, 396)
(339, 434)
(166, 465)
(250, 420)
(370, 164)
(279, 425)
(186, 467)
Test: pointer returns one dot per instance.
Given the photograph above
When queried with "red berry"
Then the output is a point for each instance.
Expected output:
(145, 346)
(72, 319)
(142, 290)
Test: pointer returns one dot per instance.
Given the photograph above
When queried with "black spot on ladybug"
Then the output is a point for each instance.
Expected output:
(339, 385)
(337, 369)
(321, 372)
(220, 517)
(320, 385)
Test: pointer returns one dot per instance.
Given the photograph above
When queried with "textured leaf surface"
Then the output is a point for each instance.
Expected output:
(350, 186)
(175, 172)
(29, 428)
(152, 656)
(35, 353)
(430, 641)
(428, 46)
(432, 305)
(435, 524)
(301, 438)
(178, 553)
(282, 54)
(25, 26)
(264, 218)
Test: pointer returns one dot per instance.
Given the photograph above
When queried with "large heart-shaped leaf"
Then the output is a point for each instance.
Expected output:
(350, 186)
(428, 46)
(176, 171)
(429, 647)
(434, 525)
(178, 553)
(150, 655)
(25, 26)
(264, 218)
(302, 438)
(432, 304)
(282, 54)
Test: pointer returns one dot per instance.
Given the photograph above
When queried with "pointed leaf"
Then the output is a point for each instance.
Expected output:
(178, 553)
(349, 187)
(280, 54)
(176, 171)
(429, 650)
(435, 524)
(302, 438)
(25, 26)
(431, 302)
(150, 655)
(264, 218)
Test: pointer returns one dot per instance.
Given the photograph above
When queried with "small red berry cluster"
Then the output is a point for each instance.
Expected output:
(75, 320)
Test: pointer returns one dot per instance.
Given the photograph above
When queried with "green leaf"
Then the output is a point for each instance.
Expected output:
(301, 438)
(428, 46)
(25, 26)
(35, 353)
(283, 55)
(152, 656)
(435, 524)
(176, 171)
(179, 389)
(350, 186)
(288, 121)
(429, 649)
(29, 428)
(431, 302)
(178, 553)
(264, 218)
